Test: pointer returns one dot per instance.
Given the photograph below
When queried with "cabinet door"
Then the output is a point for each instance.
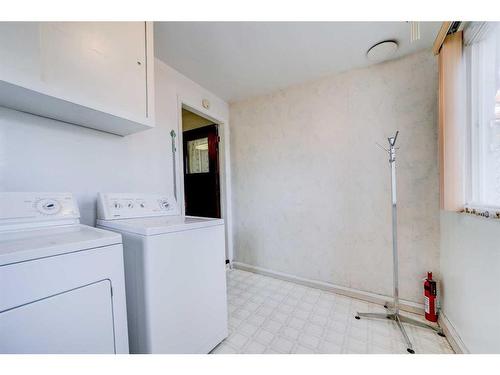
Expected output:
(20, 52)
(97, 64)
(73, 322)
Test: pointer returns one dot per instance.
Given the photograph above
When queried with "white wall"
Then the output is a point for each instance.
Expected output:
(38, 154)
(470, 266)
(311, 190)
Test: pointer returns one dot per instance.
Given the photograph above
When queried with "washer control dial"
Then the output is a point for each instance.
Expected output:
(48, 206)
(164, 205)
(131, 205)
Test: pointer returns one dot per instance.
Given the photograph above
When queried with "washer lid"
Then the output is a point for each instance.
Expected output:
(149, 226)
(20, 246)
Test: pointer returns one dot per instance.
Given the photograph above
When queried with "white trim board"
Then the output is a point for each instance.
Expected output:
(379, 299)
(452, 335)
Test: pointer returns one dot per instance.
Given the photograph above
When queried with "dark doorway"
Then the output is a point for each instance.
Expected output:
(201, 171)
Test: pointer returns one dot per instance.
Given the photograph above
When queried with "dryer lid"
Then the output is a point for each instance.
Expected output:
(149, 226)
(23, 245)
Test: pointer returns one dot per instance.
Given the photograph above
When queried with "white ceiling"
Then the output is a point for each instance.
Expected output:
(237, 60)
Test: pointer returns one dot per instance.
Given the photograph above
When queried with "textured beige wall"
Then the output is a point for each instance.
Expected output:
(311, 189)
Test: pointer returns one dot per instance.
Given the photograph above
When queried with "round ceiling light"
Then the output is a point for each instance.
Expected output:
(382, 51)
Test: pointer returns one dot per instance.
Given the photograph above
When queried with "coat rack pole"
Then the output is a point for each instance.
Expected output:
(393, 312)
(392, 162)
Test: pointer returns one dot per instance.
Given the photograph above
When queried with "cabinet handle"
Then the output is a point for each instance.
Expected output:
(139, 63)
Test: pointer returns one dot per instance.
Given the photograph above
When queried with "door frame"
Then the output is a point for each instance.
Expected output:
(205, 131)
(224, 167)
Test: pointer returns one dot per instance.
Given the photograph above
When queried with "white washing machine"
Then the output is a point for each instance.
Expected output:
(174, 273)
(62, 286)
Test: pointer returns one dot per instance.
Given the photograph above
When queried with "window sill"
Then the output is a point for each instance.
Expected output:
(486, 212)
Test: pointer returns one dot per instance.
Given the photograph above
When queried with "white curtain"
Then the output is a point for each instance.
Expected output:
(475, 32)
(482, 51)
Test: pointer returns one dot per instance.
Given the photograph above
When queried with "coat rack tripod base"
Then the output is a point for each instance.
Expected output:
(400, 319)
(393, 313)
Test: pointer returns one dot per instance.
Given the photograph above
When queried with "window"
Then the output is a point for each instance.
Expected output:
(482, 54)
(198, 156)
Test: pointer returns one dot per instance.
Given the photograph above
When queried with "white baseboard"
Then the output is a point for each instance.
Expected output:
(349, 292)
(452, 335)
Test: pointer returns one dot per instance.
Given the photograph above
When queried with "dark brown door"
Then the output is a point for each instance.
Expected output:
(201, 172)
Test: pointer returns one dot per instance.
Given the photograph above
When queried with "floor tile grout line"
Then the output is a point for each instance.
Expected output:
(309, 300)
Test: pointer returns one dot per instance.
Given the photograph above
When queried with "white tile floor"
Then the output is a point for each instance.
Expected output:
(268, 315)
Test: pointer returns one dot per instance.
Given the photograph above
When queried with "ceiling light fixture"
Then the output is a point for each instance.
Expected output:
(382, 51)
(202, 147)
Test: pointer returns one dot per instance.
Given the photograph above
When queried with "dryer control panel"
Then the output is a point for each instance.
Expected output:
(130, 205)
(38, 209)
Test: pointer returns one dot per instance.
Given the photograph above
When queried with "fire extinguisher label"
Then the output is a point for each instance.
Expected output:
(427, 305)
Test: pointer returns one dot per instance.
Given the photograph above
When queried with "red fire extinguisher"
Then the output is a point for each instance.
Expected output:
(430, 298)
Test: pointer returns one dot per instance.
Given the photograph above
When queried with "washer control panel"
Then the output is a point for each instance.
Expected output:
(37, 207)
(128, 205)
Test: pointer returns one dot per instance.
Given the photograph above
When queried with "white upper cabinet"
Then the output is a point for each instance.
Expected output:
(94, 74)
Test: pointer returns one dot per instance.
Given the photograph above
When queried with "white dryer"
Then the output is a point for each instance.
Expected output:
(174, 273)
(62, 285)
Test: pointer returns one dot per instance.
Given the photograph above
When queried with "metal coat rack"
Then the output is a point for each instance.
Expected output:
(393, 311)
